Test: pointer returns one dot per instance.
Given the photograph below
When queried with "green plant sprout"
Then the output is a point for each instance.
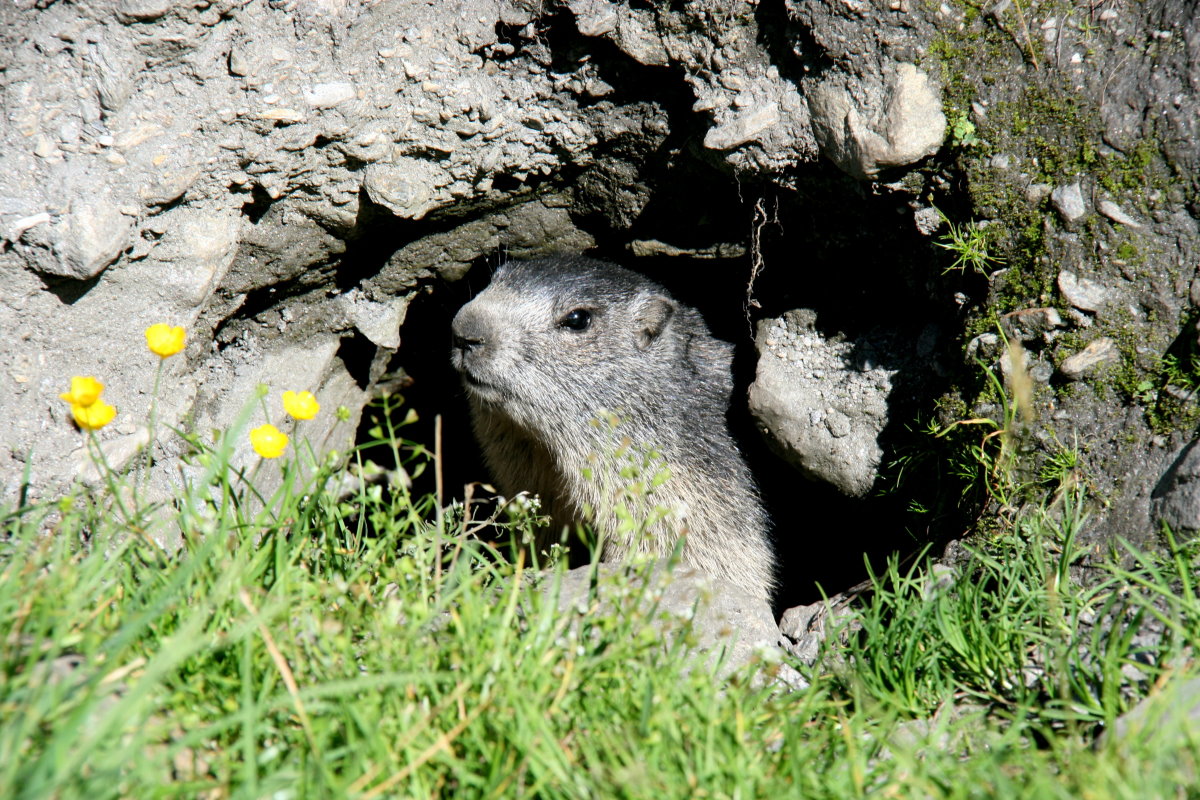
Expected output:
(961, 130)
(969, 242)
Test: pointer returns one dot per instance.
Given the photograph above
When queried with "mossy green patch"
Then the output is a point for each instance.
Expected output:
(1143, 169)
(1047, 131)
(1128, 252)
(1166, 387)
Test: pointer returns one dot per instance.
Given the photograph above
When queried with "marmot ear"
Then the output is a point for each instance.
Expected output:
(652, 318)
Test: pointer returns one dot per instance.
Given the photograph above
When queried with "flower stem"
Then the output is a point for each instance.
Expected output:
(109, 476)
(148, 458)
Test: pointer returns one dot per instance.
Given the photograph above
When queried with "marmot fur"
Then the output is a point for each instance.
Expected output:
(591, 387)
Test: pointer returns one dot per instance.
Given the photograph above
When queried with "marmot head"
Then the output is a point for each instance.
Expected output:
(573, 336)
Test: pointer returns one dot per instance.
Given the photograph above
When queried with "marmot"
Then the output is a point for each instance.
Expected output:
(591, 387)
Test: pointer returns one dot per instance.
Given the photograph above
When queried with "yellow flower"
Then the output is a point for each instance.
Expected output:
(84, 391)
(301, 405)
(268, 441)
(163, 340)
(94, 416)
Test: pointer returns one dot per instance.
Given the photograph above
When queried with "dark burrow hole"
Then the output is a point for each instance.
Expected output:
(255, 208)
(833, 248)
(69, 290)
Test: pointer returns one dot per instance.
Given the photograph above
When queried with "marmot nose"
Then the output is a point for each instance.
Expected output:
(466, 343)
(469, 332)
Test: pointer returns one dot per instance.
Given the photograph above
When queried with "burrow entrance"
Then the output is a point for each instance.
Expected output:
(847, 250)
(853, 257)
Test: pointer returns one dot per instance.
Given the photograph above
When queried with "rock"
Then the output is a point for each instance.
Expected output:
(594, 17)
(743, 128)
(142, 10)
(1175, 500)
(112, 65)
(328, 95)
(1040, 371)
(18, 227)
(1082, 293)
(1111, 210)
(724, 622)
(915, 124)
(612, 189)
(1068, 201)
(91, 237)
(633, 30)
(1101, 351)
(646, 248)
(1031, 323)
(1037, 192)
(927, 220)
(196, 252)
(986, 347)
(171, 186)
(804, 629)
(240, 63)
(408, 187)
(1164, 720)
(866, 131)
(378, 321)
(819, 407)
(287, 116)
(1194, 291)
(117, 454)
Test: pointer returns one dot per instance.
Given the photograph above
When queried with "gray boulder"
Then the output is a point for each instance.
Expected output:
(1175, 501)
(819, 404)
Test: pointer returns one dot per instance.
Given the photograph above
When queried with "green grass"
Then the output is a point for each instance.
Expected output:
(970, 243)
(305, 645)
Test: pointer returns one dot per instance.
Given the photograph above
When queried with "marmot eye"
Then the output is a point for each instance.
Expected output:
(577, 320)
